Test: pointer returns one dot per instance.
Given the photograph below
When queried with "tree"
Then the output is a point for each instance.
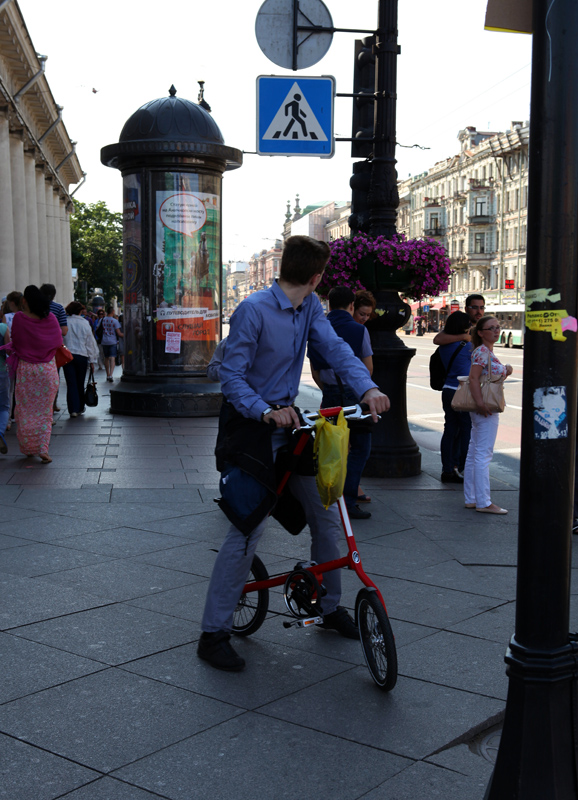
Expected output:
(96, 242)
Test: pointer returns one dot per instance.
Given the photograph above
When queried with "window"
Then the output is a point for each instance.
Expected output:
(481, 206)
(524, 196)
(434, 221)
(461, 247)
(480, 243)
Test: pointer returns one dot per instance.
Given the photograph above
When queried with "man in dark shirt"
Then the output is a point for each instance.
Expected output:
(337, 393)
(49, 290)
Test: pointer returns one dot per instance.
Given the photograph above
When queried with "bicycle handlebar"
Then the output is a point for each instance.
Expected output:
(350, 412)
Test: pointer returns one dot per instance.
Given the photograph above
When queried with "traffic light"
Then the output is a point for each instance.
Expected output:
(363, 84)
(360, 182)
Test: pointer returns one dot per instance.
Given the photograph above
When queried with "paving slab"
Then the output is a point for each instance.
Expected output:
(36, 559)
(429, 781)
(411, 721)
(29, 772)
(122, 579)
(431, 605)
(120, 542)
(29, 667)
(496, 625)
(124, 717)
(274, 671)
(110, 635)
(184, 602)
(253, 751)
(110, 789)
(27, 600)
(451, 659)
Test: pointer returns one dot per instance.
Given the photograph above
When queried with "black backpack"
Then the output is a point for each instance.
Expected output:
(437, 372)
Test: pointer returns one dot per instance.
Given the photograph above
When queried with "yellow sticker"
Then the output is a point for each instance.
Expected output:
(540, 296)
(553, 322)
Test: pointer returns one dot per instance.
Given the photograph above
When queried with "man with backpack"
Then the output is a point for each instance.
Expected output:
(337, 393)
(449, 361)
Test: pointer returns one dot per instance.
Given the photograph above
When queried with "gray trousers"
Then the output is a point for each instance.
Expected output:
(233, 562)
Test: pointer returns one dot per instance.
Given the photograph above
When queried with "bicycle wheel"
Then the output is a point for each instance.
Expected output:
(377, 640)
(252, 608)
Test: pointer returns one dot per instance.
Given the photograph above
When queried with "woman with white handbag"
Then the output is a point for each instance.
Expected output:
(484, 421)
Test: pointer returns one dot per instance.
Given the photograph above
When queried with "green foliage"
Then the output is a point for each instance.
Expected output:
(96, 241)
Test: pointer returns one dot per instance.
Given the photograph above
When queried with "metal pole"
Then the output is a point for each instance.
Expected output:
(538, 753)
(383, 195)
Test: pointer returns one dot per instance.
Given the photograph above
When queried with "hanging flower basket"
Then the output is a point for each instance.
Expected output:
(417, 267)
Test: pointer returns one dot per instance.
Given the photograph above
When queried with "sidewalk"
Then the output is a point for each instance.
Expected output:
(105, 556)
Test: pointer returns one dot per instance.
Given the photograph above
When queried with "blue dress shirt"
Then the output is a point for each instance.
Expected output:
(266, 348)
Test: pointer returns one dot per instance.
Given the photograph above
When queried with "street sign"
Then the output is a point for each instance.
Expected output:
(276, 29)
(295, 116)
(425, 309)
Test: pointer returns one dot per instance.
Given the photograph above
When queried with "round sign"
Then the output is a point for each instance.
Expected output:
(274, 29)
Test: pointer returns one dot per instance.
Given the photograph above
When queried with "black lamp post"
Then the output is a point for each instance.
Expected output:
(394, 454)
(538, 754)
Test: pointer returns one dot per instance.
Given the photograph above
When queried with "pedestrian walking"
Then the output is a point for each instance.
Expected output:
(83, 347)
(36, 335)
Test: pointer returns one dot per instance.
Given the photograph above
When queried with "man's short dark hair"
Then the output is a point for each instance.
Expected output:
(340, 297)
(110, 310)
(471, 297)
(49, 289)
(303, 257)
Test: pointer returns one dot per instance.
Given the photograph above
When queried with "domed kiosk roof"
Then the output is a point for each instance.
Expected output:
(171, 118)
(170, 126)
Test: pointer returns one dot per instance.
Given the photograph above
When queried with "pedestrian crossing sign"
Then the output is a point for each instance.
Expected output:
(295, 116)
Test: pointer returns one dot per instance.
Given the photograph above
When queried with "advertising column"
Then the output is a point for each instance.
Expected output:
(186, 293)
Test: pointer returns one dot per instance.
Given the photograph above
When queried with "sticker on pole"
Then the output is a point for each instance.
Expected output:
(295, 117)
(550, 413)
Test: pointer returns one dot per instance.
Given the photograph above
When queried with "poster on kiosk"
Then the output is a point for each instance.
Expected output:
(185, 271)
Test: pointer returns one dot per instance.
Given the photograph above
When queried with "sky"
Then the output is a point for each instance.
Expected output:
(451, 73)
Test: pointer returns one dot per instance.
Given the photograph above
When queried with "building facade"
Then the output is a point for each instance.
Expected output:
(38, 164)
(476, 204)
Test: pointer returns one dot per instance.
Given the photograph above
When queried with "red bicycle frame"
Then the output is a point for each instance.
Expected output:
(352, 560)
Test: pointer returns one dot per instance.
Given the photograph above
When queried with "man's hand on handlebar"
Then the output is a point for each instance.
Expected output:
(283, 418)
(377, 402)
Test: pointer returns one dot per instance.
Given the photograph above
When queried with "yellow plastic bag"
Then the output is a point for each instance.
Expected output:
(330, 448)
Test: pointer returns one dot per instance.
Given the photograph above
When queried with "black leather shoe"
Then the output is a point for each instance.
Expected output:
(340, 621)
(216, 649)
(451, 477)
(358, 513)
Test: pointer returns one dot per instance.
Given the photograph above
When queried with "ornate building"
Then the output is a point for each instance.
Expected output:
(476, 204)
(38, 164)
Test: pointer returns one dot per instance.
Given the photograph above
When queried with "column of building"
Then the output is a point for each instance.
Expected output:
(7, 278)
(32, 217)
(21, 271)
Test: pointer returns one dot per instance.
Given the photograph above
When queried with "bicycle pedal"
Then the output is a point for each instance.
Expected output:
(303, 623)
(304, 565)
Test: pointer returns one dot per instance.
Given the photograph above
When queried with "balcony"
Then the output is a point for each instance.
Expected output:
(434, 231)
(481, 183)
(480, 219)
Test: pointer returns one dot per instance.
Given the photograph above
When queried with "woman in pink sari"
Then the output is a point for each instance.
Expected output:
(35, 337)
